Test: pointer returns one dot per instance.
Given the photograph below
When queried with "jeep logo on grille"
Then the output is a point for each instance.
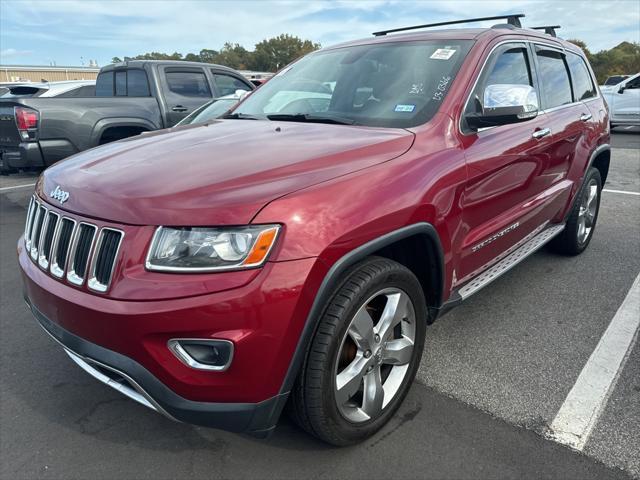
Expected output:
(59, 194)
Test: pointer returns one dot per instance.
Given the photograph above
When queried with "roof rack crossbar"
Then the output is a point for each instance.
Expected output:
(512, 19)
(548, 29)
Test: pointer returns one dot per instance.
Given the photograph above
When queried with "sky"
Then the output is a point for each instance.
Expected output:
(72, 32)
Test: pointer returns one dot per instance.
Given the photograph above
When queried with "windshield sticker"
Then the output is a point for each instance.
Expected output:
(442, 54)
(416, 89)
(441, 89)
(405, 108)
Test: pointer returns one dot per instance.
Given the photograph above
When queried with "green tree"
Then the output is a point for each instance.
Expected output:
(207, 55)
(621, 59)
(233, 55)
(274, 53)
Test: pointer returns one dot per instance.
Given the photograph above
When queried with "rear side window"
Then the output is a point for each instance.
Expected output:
(188, 84)
(137, 84)
(104, 85)
(511, 67)
(554, 78)
(227, 85)
(121, 83)
(583, 87)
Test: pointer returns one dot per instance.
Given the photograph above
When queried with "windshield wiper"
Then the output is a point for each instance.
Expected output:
(240, 116)
(307, 117)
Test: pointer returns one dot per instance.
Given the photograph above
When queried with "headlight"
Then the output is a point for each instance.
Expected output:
(203, 249)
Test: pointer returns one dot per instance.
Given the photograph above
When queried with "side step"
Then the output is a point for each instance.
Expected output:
(510, 261)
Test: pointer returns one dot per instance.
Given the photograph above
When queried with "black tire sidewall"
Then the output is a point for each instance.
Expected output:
(345, 431)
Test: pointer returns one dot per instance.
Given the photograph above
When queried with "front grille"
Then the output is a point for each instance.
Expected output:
(60, 244)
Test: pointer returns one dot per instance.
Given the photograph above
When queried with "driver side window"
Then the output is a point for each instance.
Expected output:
(509, 67)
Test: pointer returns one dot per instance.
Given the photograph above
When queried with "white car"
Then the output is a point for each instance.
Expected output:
(623, 101)
(65, 88)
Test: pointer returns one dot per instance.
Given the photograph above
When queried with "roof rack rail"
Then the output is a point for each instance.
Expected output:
(512, 19)
(548, 29)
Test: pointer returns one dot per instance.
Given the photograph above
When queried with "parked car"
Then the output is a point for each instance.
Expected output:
(614, 80)
(130, 98)
(64, 89)
(623, 101)
(296, 252)
(213, 109)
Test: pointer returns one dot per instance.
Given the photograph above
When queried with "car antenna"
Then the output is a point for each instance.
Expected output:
(512, 19)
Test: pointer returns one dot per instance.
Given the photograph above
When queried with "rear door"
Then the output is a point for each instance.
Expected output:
(184, 90)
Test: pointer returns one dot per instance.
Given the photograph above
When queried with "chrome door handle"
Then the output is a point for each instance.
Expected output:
(541, 133)
(585, 116)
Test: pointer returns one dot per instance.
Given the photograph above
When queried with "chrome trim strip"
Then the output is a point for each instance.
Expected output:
(26, 225)
(42, 260)
(93, 283)
(72, 277)
(34, 250)
(189, 361)
(55, 268)
(151, 403)
(508, 262)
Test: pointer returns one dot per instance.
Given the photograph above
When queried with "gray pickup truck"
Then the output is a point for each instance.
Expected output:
(130, 98)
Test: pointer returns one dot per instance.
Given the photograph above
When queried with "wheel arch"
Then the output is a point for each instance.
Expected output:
(417, 238)
(601, 159)
(107, 124)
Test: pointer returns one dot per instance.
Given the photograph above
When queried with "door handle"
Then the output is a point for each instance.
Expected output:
(179, 108)
(541, 133)
(585, 116)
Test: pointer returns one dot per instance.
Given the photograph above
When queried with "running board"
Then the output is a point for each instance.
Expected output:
(510, 261)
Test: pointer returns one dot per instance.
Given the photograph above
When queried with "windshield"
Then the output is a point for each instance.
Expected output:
(210, 111)
(397, 84)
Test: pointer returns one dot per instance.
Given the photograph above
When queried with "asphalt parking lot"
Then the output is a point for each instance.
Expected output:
(494, 375)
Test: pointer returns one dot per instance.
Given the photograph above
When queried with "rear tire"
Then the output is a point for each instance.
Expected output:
(581, 223)
(364, 355)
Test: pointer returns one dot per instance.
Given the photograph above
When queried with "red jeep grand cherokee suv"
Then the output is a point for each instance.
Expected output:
(297, 250)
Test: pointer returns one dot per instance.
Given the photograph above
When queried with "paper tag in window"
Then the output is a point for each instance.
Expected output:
(443, 54)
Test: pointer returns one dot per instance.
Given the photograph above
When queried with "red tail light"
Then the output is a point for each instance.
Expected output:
(27, 121)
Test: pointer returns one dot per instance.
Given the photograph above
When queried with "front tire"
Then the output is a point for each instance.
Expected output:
(581, 223)
(364, 355)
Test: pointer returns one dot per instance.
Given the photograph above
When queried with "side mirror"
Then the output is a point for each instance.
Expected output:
(504, 104)
(242, 94)
(622, 88)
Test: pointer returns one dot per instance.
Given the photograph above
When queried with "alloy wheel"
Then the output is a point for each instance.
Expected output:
(374, 355)
(588, 211)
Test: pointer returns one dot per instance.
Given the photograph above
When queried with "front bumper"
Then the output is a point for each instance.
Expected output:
(263, 318)
(133, 380)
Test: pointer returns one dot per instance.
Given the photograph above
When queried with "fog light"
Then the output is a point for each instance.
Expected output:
(203, 354)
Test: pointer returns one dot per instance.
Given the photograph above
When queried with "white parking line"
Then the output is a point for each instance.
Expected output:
(621, 191)
(588, 397)
(4, 189)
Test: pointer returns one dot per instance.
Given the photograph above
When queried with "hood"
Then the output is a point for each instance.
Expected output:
(219, 173)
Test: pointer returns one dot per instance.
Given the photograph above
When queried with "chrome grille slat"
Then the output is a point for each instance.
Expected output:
(50, 227)
(69, 249)
(80, 251)
(37, 230)
(60, 247)
(104, 259)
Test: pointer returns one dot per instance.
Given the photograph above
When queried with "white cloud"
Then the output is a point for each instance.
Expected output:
(12, 52)
(127, 27)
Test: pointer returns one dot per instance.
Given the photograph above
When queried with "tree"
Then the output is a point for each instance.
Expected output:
(233, 55)
(274, 53)
(621, 59)
(207, 56)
